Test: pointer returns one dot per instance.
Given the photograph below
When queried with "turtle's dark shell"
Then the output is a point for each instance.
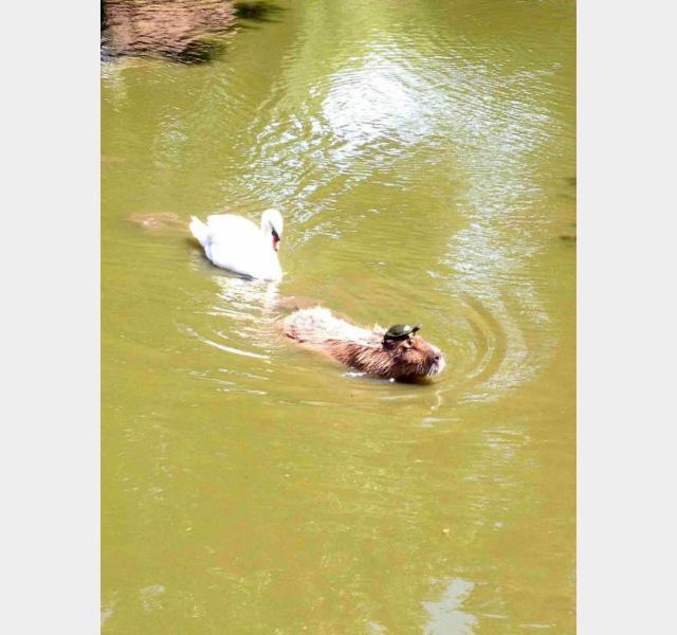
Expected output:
(399, 331)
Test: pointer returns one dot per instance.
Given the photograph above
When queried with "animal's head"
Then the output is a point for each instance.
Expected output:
(272, 225)
(411, 355)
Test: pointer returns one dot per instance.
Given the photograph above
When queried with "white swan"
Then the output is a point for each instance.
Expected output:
(236, 243)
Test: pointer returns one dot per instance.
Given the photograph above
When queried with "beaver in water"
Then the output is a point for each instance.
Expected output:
(398, 353)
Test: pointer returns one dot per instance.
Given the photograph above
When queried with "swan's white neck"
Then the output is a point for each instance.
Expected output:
(266, 227)
(269, 219)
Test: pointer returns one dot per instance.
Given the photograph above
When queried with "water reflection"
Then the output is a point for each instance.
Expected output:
(378, 105)
(446, 616)
(240, 297)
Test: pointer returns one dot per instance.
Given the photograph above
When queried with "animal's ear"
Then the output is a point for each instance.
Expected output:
(407, 343)
(399, 348)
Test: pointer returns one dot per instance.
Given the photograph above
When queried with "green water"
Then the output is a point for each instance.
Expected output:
(423, 156)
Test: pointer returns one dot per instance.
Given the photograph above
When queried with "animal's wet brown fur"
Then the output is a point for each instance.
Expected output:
(362, 349)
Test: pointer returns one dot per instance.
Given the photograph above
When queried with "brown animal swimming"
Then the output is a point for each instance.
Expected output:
(398, 353)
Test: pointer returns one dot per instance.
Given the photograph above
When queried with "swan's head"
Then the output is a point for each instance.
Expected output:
(272, 225)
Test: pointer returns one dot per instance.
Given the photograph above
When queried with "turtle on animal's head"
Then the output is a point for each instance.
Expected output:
(400, 332)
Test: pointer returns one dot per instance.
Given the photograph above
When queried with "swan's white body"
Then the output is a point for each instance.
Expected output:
(236, 243)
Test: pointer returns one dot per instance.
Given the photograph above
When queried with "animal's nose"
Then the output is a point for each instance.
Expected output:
(437, 357)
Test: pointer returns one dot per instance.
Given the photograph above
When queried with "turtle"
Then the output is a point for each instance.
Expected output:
(400, 331)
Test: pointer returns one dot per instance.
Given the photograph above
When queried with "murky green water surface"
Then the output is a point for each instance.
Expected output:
(423, 155)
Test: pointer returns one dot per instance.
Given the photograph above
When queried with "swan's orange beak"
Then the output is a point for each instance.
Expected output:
(276, 242)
